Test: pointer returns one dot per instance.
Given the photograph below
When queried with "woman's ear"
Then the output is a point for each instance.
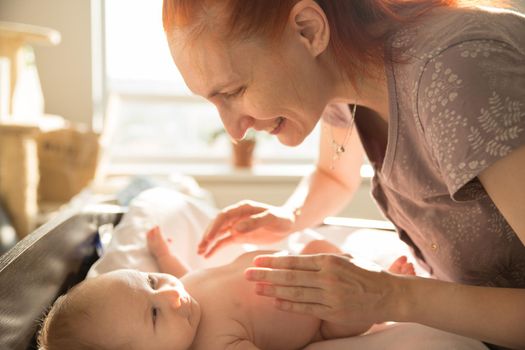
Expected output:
(309, 22)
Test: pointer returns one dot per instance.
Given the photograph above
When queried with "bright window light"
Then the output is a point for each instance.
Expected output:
(152, 113)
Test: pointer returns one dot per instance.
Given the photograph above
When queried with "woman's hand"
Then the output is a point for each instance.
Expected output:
(326, 286)
(247, 222)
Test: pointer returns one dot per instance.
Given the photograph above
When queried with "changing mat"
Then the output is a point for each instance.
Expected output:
(184, 220)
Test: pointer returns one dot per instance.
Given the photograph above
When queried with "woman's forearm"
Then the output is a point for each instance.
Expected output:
(494, 315)
(334, 181)
(318, 196)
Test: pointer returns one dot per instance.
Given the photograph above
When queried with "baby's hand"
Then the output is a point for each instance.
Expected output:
(158, 246)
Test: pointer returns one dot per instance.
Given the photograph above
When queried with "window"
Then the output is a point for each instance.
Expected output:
(152, 113)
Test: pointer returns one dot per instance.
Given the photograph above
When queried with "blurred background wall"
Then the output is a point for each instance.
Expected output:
(65, 70)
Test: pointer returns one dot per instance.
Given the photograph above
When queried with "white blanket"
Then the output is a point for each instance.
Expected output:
(184, 220)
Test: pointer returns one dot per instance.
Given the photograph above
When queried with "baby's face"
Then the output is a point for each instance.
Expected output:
(145, 310)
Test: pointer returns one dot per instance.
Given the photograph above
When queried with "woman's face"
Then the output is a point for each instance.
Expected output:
(280, 89)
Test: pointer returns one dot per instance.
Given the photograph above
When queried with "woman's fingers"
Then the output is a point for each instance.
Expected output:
(246, 222)
(311, 309)
(253, 222)
(296, 294)
(282, 277)
(234, 234)
(330, 287)
(219, 226)
(220, 243)
(298, 262)
(224, 221)
(216, 230)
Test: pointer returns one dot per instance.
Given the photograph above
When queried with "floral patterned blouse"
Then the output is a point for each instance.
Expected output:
(457, 105)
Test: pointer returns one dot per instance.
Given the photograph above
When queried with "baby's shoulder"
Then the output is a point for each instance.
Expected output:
(221, 335)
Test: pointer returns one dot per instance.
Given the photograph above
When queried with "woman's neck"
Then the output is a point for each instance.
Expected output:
(371, 91)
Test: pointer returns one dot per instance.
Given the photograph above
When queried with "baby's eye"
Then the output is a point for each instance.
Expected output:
(152, 281)
(154, 313)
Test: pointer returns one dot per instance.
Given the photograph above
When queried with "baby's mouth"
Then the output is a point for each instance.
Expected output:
(185, 307)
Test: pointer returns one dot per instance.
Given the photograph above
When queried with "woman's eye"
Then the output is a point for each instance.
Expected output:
(152, 282)
(236, 93)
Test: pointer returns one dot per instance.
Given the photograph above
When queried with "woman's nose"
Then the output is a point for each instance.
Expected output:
(236, 126)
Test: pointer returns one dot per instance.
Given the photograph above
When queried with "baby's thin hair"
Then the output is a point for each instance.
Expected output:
(60, 326)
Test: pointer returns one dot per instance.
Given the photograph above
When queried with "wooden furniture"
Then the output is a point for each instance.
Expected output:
(13, 38)
(18, 148)
(19, 175)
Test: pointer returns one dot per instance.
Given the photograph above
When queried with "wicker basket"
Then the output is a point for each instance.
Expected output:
(68, 161)
(19, 175)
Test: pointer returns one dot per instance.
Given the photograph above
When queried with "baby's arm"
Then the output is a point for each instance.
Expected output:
(167, 261)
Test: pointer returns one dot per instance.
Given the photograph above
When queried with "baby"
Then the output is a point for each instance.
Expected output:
(210, 309)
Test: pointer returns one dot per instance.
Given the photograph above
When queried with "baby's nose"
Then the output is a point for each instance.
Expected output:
(171, 297)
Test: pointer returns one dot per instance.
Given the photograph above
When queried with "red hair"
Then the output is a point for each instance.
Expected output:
(350, 44)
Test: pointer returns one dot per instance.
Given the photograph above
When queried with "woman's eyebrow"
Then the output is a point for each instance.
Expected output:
(221, 86)
(217, 90)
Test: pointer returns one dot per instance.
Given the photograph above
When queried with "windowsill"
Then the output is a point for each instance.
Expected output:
(266, 183)
(220, 172)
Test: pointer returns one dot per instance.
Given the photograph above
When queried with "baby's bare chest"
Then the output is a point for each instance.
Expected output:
(231, 311)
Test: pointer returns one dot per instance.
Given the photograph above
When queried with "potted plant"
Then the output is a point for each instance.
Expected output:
(242, 150)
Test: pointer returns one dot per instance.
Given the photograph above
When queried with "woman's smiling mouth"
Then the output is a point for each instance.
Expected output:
(277, 128)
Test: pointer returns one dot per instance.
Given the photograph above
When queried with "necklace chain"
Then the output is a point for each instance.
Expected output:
(339, 148)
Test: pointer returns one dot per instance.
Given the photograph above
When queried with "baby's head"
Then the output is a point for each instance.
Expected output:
(124, 309)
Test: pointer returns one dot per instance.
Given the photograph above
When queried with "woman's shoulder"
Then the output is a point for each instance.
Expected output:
(484, 23)
(448, 27)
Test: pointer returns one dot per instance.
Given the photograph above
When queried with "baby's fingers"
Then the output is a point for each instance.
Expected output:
(153, 233)
(408, 269)
(157, 245)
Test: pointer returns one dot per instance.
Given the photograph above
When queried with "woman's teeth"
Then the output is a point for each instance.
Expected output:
(277, 124)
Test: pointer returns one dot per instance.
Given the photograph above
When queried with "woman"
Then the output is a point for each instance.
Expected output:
(440, 90)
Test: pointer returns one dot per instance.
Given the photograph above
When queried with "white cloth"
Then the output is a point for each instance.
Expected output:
(184, 220)
(401, 336)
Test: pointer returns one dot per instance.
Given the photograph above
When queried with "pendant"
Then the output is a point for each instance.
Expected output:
(339, 149)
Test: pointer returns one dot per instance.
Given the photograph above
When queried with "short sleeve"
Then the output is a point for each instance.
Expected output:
(471, 106)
